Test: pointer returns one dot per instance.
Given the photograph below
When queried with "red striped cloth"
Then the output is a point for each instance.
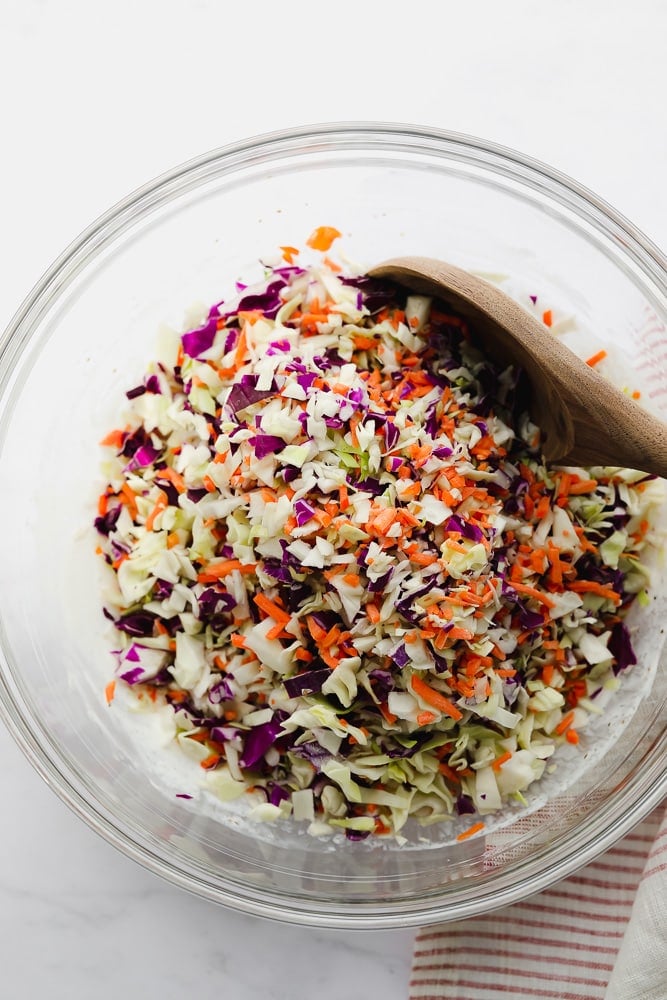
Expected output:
(599, 935)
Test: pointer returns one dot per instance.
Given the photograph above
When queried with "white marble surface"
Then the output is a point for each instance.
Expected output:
(97, 99)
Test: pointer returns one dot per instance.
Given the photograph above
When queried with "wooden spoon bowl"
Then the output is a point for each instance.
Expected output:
(583, 418)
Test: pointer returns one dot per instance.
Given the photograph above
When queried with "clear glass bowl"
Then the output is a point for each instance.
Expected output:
(84, 335)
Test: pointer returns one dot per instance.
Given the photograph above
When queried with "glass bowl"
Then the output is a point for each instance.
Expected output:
(84, 335)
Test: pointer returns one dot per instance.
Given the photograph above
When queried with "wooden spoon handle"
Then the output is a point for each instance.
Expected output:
(583, 418)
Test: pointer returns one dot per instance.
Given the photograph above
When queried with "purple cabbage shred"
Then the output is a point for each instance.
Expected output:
(309, 682)
(620, 645)
(267, 444)
(258, 740)
(197, 342)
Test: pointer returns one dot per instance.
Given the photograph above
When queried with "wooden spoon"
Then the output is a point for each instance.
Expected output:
(584, 419)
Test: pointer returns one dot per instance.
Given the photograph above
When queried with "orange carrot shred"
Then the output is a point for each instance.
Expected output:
(449, 772)
(595, 359)
(564, 723)
(271, 609)
(322, 238)
(211, 761)
(114, 439)
(537, 595)
(289, 253)
(471, 831)
(161, 504)
(389, 716)
(435, 698)
(499, 761)
(173, 477)
(373, 612)
(215, 571)
(591, 587)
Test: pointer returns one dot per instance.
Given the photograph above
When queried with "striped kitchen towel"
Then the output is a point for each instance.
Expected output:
(599, 935)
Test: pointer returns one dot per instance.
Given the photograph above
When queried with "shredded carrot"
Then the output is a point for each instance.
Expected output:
(322, 238)
(583, 486)
(595, 359)
(354, 422)
(317, 632)
(547, 317)
(113, 440)
(110, 691)
(329, 658)
(363, 343)
(176, 696)
(161, 504)
(548, 673)
(383, 521)
(332, 637)
(471, 831)
(425, 718)
(564, 723)
(449, 772)
(460, 633)
(435, 698)
(423, 558)
(389, 716)
(373, 612)
(211, 761)
(537, 595)
(413, 490)
(556, 572)
(323, 518)
(499, 761)
(289, 253)
(128, 498)
(271, 609)
(216, 571)
(542, 508)
(241, 349)
(173, 477)
(591, 587)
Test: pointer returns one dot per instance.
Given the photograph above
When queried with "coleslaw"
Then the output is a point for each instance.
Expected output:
(339, 560)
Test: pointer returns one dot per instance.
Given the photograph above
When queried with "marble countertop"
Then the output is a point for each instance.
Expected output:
(98, 99)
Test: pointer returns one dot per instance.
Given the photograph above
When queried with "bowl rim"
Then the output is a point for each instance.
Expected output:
(263, 148)
(594, 208)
